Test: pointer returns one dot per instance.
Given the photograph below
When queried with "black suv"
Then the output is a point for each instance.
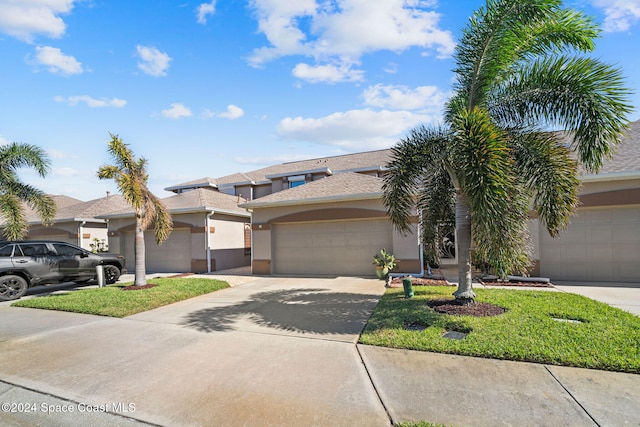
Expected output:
(39, 262)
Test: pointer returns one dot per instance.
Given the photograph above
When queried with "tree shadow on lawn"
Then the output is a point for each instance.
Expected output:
(319, 311)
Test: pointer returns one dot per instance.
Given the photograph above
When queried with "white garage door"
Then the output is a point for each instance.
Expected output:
(600, 244)
(329, 247)
(173, 256)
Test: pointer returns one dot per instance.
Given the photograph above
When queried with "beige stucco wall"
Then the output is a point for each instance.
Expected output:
(405, 248)
(68, 232)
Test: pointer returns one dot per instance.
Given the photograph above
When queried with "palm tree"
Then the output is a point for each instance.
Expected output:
(14, 194)
(520, 72)
(130, 175)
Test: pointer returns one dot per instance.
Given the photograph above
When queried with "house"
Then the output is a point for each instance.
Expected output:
(602, 242)
(75, 221)
(332, 226)
(325, 217)
(210, 232)
(303, 229)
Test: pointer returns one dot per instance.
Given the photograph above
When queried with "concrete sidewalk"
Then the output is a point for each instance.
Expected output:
(275, 352)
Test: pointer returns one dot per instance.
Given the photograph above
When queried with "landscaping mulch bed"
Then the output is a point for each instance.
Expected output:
(137, 288)
(477, 309)
(514, 283)
(396, 282)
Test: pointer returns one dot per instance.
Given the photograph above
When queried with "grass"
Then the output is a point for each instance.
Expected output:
(607, 338)
(114, 302)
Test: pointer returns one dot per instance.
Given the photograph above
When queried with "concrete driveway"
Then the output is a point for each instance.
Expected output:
(274, 351)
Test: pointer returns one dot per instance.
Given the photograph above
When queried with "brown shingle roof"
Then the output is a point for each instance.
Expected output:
(370, 160)
(200, 199)
(68, 208)
(626, 158)
(204, 198)
(343, 186)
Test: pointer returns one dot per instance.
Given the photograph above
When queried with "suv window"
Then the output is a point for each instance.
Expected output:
(66, 250)
(34, 249)
(6, 251)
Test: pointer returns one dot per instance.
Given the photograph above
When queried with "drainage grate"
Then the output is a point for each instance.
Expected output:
(567, 320)
(414, 327)
(454, 335)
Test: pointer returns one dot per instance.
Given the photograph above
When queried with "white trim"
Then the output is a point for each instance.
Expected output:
(613, 176)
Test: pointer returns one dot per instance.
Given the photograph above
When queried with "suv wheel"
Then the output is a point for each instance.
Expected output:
(111, 274)
(12, 287)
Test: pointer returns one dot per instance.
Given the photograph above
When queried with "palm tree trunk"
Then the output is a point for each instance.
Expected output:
(464, 294)
(140, 267)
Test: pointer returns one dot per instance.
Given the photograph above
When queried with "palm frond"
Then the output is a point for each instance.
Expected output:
(582, 95)
(15, 227)
(550, 174)
(410, 159)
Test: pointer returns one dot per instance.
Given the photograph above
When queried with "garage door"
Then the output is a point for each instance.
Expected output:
(600, 244)
(329, 248)
(173, 256)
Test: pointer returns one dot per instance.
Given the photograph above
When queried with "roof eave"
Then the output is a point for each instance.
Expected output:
(612, 176)
(310, 201)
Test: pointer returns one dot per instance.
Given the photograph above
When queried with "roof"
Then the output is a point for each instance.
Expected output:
(340, 187)
(70, 209)
(206, 199)
(197, 200)
(626, 157)
(369, 160)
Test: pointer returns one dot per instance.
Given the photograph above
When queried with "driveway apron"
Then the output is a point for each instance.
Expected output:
(274, 351)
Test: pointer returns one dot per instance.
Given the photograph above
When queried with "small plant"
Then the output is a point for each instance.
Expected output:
(384, 262)
(99, 245)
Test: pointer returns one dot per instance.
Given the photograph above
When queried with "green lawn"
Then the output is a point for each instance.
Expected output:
(607, 338)
(113, 301)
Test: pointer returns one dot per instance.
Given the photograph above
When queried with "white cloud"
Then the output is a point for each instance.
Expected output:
(176, 111)
(4, 141)
(24, 19)
(204, 10)
(152, 61)
(620, 15)
(66, 172)
(233, 112)
(341, 32)
(353, 130)
(427, 98)
(92, 102)
(57, 62)
(327, 73)
(57, 154)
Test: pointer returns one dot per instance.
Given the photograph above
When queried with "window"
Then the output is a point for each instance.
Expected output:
(296, 180)
(35, 249)
(7, 251)
(66, 250)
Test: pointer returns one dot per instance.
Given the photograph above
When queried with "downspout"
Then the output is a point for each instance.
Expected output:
(207, 239)
(80, 233)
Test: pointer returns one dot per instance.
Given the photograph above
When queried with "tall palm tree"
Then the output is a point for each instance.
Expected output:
(130, 175)
(520, 72)
(14, 194)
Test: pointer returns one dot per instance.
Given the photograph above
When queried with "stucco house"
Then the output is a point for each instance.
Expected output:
(76, 221)
(602, 242)
(325, 217)
(303, 229)
(210, 232)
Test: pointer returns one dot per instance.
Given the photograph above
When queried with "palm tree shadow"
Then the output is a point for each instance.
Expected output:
(318, 311)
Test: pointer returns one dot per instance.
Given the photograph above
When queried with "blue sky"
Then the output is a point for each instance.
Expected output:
(212, 88)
